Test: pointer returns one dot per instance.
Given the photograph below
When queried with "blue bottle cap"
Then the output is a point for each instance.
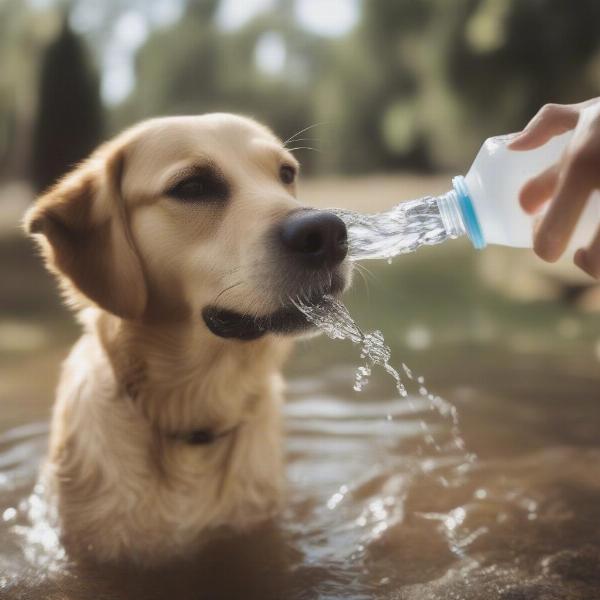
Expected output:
(468, 213)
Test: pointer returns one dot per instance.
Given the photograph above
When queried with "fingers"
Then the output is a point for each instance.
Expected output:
(570, 182)
(588, 259)
(551, 120)
(557, 226)
(539, 189)
(590, 102)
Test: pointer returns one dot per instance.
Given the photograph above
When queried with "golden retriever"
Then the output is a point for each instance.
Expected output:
(183, 246)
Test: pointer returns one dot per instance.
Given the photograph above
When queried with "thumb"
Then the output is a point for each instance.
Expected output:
(551, 120)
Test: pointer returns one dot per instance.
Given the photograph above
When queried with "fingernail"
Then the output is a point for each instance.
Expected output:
(530, 210)
(547, 247)
(581, 260)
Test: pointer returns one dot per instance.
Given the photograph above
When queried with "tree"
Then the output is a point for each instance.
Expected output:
(193, 67)
(69, 119)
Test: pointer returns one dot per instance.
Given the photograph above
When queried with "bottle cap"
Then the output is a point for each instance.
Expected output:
(468, 213)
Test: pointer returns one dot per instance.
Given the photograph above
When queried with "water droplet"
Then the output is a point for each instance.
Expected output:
(407, 371)
(332, 317)
(9, 514)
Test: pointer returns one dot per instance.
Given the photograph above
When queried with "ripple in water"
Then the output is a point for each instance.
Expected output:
(332, 317)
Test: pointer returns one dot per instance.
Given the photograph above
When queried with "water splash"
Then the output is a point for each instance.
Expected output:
(333, 319)
(400, 230)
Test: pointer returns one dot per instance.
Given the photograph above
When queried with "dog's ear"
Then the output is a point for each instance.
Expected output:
(83, 229)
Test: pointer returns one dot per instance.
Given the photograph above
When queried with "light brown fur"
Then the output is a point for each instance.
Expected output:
(139, 267)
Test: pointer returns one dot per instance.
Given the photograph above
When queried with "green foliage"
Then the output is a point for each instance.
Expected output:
(69, 117)
(430, 79)
(19, 33)
(501, 61)
(193, 67)
(418, 84)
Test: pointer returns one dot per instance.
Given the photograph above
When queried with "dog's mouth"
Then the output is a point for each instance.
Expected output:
(231, 324)
(311, 247)
(286, 320)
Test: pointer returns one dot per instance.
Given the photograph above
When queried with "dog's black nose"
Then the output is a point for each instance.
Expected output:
(318, 238)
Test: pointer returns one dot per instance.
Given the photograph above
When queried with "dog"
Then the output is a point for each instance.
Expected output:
(182, 246)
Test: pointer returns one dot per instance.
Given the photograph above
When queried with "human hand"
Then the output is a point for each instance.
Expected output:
(568, 184)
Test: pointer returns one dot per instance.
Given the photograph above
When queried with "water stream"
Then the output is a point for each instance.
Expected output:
(400, 230)
(333, 319)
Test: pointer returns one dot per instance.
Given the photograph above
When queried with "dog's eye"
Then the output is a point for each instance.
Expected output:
(287, 174)
(189, 188)
(201, 187)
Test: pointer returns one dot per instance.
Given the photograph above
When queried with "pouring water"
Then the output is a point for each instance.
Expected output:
(333, 319)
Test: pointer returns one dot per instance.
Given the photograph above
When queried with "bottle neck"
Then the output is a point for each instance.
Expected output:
(449, 208)
(459, 215)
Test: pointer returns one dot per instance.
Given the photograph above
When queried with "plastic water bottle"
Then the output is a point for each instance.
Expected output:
(484, 204)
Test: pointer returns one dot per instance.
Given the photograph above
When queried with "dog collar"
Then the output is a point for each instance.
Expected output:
(200, 437)
(195, 437)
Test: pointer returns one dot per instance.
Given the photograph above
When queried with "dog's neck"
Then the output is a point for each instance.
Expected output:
(171, 369)
(122, 482)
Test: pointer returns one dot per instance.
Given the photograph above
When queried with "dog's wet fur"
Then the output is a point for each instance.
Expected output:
(182, 246)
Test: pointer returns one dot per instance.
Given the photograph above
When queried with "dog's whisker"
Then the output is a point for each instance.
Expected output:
(303, 148)
(293, 137)
(366, 283)
(227, 289)
(363, 272)
(306, 139)
(366, 270)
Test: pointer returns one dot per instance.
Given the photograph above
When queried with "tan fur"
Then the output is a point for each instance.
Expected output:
(140, 267)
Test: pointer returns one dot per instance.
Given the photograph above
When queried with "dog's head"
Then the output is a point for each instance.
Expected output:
(192, 217)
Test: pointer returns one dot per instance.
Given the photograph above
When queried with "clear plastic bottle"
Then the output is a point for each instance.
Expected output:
(484, 204)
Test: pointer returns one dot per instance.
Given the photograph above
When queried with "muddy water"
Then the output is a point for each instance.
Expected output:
(369, 514)
(372, 511)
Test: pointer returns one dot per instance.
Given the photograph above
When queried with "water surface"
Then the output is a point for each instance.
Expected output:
(372, 510)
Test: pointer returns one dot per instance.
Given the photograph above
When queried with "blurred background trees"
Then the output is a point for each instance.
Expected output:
(403, 88)
(69, 117)
(394, 84)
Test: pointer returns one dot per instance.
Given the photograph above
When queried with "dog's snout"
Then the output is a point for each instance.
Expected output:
(318, 238)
